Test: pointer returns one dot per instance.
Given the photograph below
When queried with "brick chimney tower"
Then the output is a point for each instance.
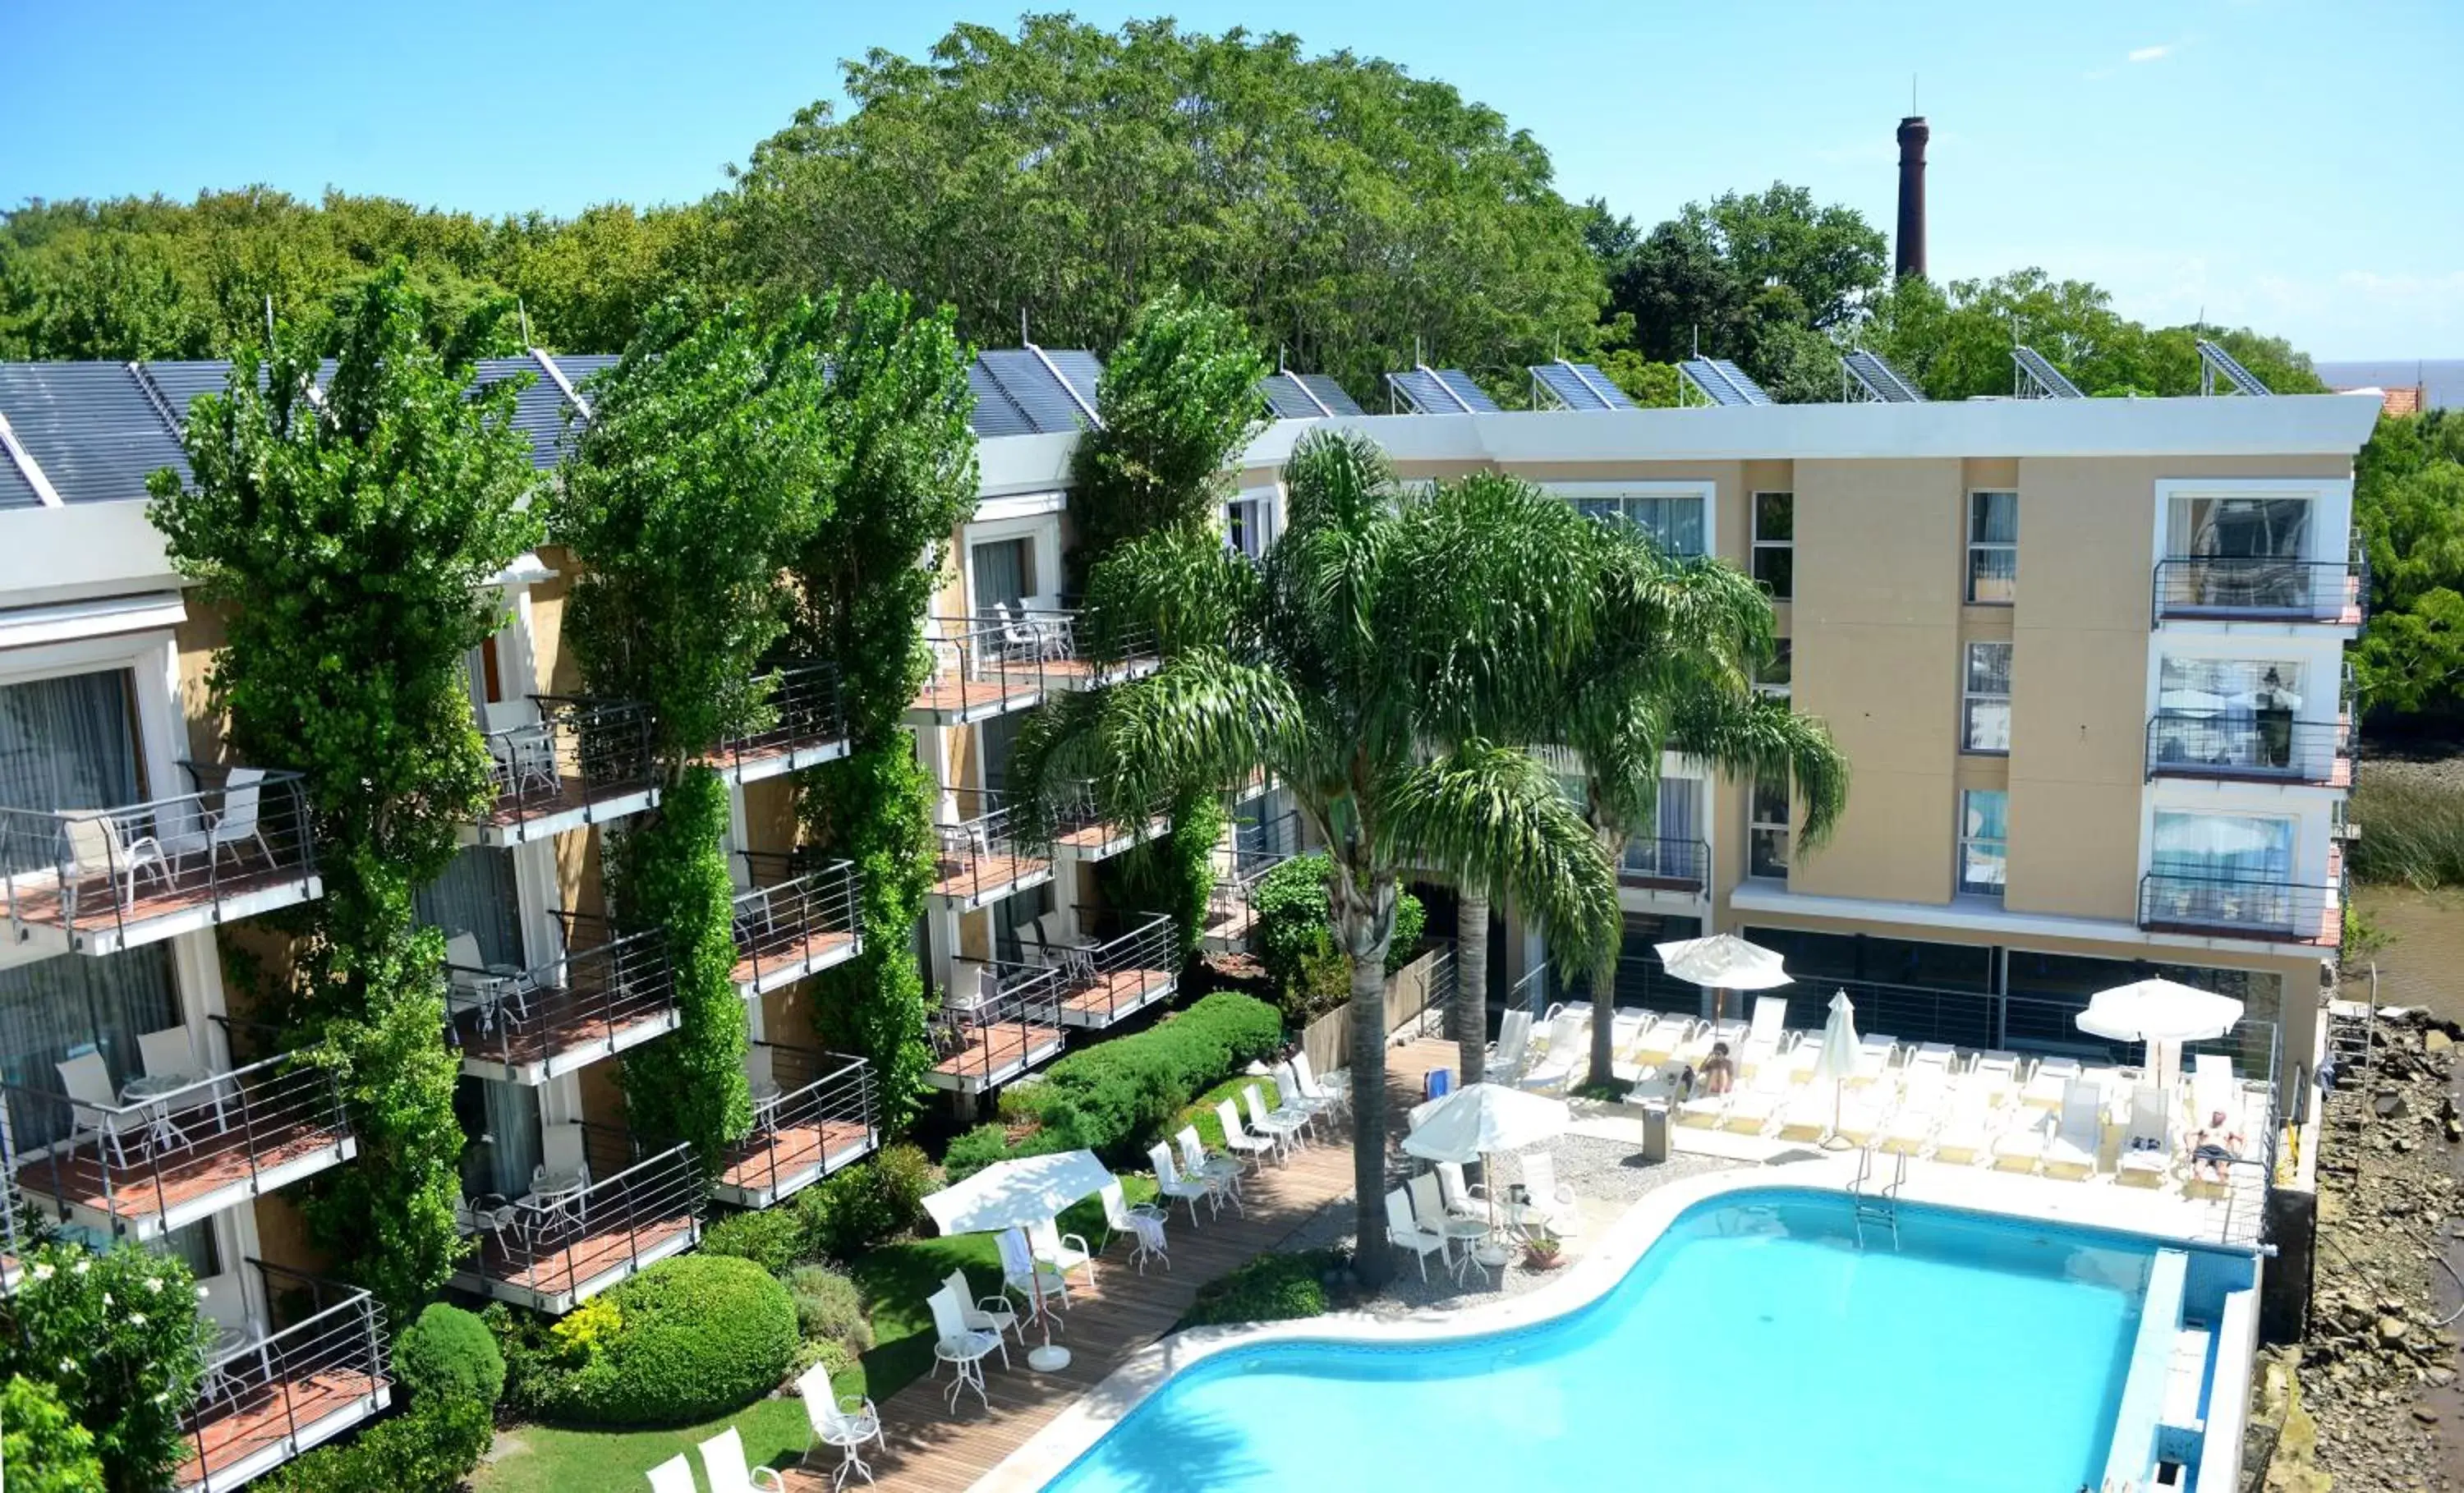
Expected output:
(1911, 258)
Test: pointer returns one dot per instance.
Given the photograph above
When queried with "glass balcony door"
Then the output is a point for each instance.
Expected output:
(67, 743)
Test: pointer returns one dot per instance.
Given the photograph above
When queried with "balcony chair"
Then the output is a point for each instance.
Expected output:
(226, 1329)
(475, 984)
(722, 1462)
(524, 750)
(1051, 625)
(560, 1181)
(847, 1424)
(99, 850)
(94, 1105)
(171, 1053)
(1142, 1222)
(762, 1080)
(239, 825)
(995, 1313)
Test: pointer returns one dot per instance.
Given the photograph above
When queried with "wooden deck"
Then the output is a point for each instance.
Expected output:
(980, 877)
(774, 1163)
(517, 1276)
(949, 695)
(771, 955)
(1115, 995)
(102, 904)
(560, 1023)
(932, 1450)
(263, 1417)
(993, 1053)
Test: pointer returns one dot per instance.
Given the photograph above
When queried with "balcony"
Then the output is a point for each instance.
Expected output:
(276, 1385)
(991, 1030)
(985, 856)
(1131, 962)
(2244, 746)
(601, 1210)
(2267, 908)
(804, 726)
(2257, 588)
(152, 1155)
(562, 763)
(813, 1113)
(526, 1026)
(791, 923)
(989, 664)
(1653, 864)
(1082, 832)
(97, 881)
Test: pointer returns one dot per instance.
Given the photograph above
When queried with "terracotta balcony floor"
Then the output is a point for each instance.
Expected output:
(583, 1259)
(1115, 996)
(1001, 1048)
(783, 1155)
(773, 955)
(160, 1182)
(266, 1414)
(986, 875)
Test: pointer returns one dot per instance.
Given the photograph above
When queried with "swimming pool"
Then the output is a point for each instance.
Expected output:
(1754, 1347)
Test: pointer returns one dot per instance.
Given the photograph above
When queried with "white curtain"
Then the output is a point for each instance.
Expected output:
(1004, 573)
(65, 743)
(476, 896)
(55, 1006)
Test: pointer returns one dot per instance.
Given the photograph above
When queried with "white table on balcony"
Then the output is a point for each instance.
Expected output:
(555, 1198)
(148, 1089)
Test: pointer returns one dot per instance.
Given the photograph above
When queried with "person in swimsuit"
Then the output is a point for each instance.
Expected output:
(1719, 1070)
(2213, 1146)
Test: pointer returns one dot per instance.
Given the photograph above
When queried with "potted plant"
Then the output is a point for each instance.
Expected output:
(1542, 1249)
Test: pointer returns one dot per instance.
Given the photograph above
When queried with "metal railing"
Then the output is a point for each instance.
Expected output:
(604, 988)
(636, 1203)
(1133, 962)
(791, 917)
(990, 1027)
(579, 753)
(2261, 588)
(822, 1115)
(1680, 864)
(2255, 906)
(94, 871)
(143, 1149)
(328, 1356)
(799, 709)
(2267, 747)
(1078, 821)
(988, 852)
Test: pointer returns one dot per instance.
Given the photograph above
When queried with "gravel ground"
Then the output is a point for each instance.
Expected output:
(1608, 1176)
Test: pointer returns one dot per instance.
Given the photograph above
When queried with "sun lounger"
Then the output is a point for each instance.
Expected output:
(2044, 1087)
(2148, 1148)
(2022, 1148)
(1660, 1042)
(1911, 1125)
(1751, 1108)
(1972, 1126)
(1767, 1037)
(1507, 1054)
(2074, 1150)
(1873, 1054)
(1567, 1054)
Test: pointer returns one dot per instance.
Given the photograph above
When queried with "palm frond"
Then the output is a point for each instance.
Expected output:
(1202, 720)
(1753, 736)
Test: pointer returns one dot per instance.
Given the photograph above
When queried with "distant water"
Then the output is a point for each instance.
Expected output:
(2444, 377)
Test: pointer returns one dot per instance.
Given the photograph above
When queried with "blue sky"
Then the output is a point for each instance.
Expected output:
(2288, 166)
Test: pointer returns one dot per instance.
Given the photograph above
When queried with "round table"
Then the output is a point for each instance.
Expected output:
(549, 1195)
(1469, 1233)
(150, 1086)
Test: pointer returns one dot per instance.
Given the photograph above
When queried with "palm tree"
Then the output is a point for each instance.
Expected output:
(1360, 664)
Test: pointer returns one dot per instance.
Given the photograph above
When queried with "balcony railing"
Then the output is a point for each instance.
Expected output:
(2257, 588)
(985, 855)
(1665, 865)
(990, 662)
(577, 762)
(804, 725)
(991, 1030)
(526, 1026)
(2242, 906)
(151, 1154)
(576, 1235)
(793, 922)
(813, 1113)
(2246, 746)
(110, 879)
(1129, 962)
(1081, 829)
(270, 1395)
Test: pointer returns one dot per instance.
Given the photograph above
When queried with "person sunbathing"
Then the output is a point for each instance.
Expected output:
(2212, 1148)
(1719, 1070)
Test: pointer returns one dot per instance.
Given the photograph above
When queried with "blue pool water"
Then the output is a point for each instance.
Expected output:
(1753, 1349)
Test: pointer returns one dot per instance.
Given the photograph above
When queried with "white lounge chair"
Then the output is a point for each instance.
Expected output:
(2022, 1148)
(1875, 1053)
(1999, 1074)
(2213, 1087)
(2043, 1089)
(2073, 1152)
(722, 1462)
(1170, 1184)
(1752, 1108)
(1546, 1201)
(1660, 1042)
(675, 1476)
(1142, 1224)
(995, 1313)
(847, 1424)
(1972, 1127)
(1507, 1054)
(955, 1343)
(1910, 1128)
(1219, 1170)
(1568, 1053)
(1405, 1232)
(1241, 1141)
(2148, 1148)
(1063, 1252)
(1767, 1037)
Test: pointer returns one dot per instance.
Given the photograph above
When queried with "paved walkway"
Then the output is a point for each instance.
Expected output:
(933, 1449)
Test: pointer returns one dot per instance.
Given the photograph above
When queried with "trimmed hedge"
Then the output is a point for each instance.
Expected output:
(448, 1353)
(430, 1450)
(692, 1338)
(1269, 1288)
(1114, 1098)
(866, 1204)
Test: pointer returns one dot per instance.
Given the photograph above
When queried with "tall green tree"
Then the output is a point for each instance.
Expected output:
(1350, 211)
(698, 480)
(349, 541)
(2409, 504)
(1335, 666)
(900, 475)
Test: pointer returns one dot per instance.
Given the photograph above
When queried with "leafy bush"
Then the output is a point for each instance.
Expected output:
(1295, 920)
(828, 1305)
(448, 1353)
(986, 1144)
(866, 1204)
(772, 1238)
(41, 1444)
(1323, 985)
(1269, 1288)
(695, 1337)
(430, 1450)
(115, 1336)
(1116, 1098)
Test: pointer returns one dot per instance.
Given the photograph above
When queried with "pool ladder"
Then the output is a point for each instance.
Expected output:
(1881, 1210)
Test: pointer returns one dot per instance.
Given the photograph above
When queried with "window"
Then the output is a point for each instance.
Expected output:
(55, 1008)
(1985, 700)
(1249, 524)
(1004, 573)
(1674, 524)
(2256, 528)
(1775, 544)
(2227, 712)
(476, 895)
(1767, 831)
(1992, 548)
(2223, 847)
(1771, 675)
(1983, 841)
(66, 743)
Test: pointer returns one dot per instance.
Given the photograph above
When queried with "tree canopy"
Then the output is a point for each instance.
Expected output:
(2408, 503)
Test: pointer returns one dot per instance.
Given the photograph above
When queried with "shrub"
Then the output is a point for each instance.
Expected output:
(986, 1144)
(695, 1337)
(828, 1305)
(772, 1238)
(1116, 1098)
(1294, 917)
(866, 1204)
(115, 1335)
(1269, 1288)
(41, 1444)
(430, 1450)
(448, 1353)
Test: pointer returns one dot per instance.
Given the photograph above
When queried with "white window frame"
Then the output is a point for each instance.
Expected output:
(1968, 840)
(1755, 829)
(1754, 527)
(1261, 507)
(1042, 534)
(1784, 651)
(1970, 697)
(1977, 547)
(1707, 494)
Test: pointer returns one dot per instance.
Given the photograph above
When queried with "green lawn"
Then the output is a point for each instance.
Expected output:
(552, 1460)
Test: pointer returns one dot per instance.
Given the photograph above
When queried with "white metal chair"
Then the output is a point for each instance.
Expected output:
(1063, 1252)
(1290, 1101)
(1220, 1170)
(1284, 1129)
(994, 1315)
(1406, 1232)
(523, 748)
(722, 1462)
(1036, 1280)
(475, 983)
(238, 825)
(87, 1083)
(1239, 1141)
(672, 1476)
(1430, 1211)
(1171, 1184)
(171, 1053)
(1546, 1201)
(561, 1178)
(959, 1346)
(847, 1424)
(1142, 1222)
(1463, 1201)
(99, 850)
(1334, 1099)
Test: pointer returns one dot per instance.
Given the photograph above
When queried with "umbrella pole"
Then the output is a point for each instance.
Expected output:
(1051, 1356)
(1835, 1141)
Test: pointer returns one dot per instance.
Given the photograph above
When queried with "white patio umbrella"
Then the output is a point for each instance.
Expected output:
(2162, 1013)
(1479, 1121)
(1723, 963)
(1011, 1194)
(1837, 1060)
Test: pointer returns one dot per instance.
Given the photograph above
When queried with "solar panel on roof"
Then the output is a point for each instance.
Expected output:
(89, 428)
(16, 491)
(1459, 384)
(1440, 391)
(1579, 385)
(2037, 377)
(1083, 371)
(538, 410)
(996, 414)
(1721, 382)
(1328, 393)
(181, 382)
(1289, 399)
(2214, 360)
(1031, 386)
(1879, 380)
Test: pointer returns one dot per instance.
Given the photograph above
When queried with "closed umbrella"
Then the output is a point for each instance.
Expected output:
(1723, 962)
(2162, 1013)
(1479, 1121)
(1011, 1194)
(1837, 1060)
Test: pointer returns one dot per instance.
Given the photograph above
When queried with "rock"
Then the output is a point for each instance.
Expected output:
(2441, 1376)
(2393, 1329)
(2425, 1414)
(2436, 1040)
(2388, 1106)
